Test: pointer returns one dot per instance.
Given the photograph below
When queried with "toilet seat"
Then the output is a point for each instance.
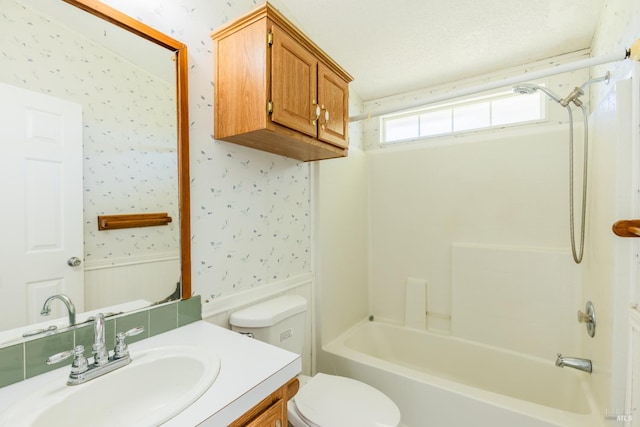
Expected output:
(334, 401)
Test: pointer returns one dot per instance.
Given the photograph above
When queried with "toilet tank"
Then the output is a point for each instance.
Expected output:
(279, 321)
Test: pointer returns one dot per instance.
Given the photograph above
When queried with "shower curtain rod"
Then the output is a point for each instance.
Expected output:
(633, 52)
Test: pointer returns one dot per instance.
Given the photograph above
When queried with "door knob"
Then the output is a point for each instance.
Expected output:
(74, 261)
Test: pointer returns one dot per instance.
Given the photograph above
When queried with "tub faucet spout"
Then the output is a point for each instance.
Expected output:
(574, 362)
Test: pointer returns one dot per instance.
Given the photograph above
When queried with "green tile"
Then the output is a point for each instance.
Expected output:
(189, 311)
(85, 336)
(38, 351)
(11, 364)
(130, 321)
(163, 318)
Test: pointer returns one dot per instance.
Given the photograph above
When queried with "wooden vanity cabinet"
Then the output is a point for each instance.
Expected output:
(276, 91)
(272, 411)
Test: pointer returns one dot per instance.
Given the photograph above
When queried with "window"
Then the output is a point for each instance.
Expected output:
(487, 112)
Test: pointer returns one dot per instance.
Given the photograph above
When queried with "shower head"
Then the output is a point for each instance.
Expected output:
(525, 89)
(528, 89)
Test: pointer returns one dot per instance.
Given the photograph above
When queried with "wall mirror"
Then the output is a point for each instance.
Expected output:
(129, 83)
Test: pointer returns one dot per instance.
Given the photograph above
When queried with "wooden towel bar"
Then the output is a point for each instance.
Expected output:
(112, 222)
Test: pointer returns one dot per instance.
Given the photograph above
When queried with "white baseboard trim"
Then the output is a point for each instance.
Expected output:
(134, 260)
(214, 307)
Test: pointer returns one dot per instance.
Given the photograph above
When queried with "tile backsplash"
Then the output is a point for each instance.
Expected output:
(28, 359)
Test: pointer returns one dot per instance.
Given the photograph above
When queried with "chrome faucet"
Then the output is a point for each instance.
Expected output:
(574, 362)
(100, 353)
(71, 309)
(83, 371)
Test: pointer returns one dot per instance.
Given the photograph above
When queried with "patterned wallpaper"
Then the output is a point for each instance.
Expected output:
(129, 127)
(250, 210)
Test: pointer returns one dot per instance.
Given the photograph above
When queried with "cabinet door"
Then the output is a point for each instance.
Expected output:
(333, 95)
(272, 417)
(293, 84)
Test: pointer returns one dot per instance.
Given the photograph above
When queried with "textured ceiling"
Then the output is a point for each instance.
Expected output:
(391, 47)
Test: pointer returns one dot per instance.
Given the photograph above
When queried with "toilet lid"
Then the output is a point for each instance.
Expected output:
(330, 401)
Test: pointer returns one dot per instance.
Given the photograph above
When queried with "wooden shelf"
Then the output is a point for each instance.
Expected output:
(113, 222)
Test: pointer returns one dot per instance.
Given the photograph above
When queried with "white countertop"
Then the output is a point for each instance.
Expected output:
(250, 370)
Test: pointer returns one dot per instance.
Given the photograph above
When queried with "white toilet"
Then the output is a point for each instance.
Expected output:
(323, 400)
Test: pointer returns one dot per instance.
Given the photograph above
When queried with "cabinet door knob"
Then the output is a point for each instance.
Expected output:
(315, 120)
(326, 118)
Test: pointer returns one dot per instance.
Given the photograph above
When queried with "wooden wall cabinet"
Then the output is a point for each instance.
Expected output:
(272, 411)
(276, 91)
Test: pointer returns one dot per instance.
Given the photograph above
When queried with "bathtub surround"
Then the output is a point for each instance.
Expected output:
(608, 276)
(415, 303)
(516, 298)
(342, 241)
(488, 192)
(28, 359)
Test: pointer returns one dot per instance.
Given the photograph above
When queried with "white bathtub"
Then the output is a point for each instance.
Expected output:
(442, 381)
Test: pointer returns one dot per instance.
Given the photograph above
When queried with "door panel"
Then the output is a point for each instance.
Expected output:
(333, 93)
(41, 168)
(294, 81)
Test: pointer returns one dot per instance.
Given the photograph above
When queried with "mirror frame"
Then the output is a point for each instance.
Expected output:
(118, 18)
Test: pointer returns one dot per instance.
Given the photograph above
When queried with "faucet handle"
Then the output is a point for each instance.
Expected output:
(79, 364)
(588, 317)
(59, 357)
(121, 349)
(584, 317)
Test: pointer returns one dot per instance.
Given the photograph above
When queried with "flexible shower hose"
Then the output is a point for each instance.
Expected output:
(577, 255)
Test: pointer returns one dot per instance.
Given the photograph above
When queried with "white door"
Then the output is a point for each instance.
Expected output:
(41, 204)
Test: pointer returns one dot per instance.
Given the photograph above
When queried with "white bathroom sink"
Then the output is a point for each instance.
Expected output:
(158, 384)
